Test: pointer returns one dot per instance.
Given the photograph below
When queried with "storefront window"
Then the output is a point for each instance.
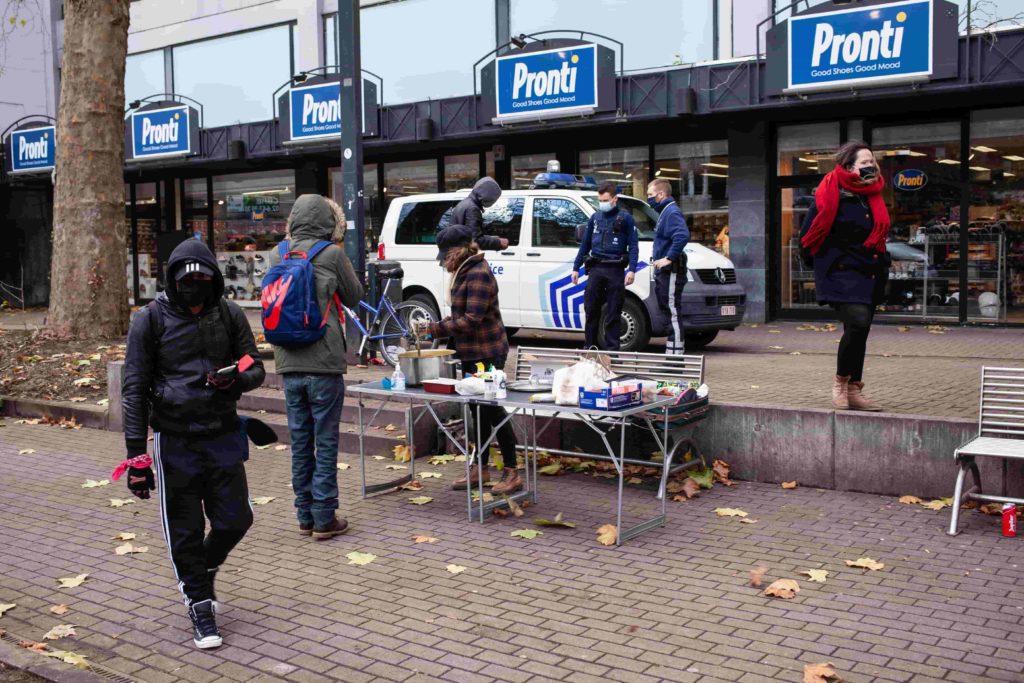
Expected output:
(807, 149)
(797, 278)
(149, 211)
(143, 75)
(250, 217)
(921, 167)
(233, 76)
(406, 178)
(699, 173)
(525, 168)
(996, 219)
(625, 166)
(372, 210)
(461, 171)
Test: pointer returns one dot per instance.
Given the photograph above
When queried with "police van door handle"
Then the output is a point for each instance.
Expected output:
(508, 253)
(533, 253)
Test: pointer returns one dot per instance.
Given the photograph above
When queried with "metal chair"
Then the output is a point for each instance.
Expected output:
(1000, 435)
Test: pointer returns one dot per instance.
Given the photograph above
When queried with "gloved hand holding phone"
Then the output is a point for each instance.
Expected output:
(222, 379)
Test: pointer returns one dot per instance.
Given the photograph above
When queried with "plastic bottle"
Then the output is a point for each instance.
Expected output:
(489, 387)
(398, 380)
(500, 383)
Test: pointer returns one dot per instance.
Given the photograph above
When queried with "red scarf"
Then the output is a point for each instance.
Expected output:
(827, 201)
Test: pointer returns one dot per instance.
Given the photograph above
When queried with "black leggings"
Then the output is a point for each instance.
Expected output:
(853, 346)
(491, 417)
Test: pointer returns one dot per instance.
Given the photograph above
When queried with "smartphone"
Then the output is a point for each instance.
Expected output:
(229, 370)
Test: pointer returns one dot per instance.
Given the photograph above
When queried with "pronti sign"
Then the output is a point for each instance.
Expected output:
(547, 83)
(861, 46)
(315, 111)
(31, 150)
(157, 133)
(910, 180)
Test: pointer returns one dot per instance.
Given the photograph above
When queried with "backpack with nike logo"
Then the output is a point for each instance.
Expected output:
(291, 315)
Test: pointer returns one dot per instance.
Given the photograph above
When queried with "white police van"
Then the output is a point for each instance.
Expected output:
(535, 287)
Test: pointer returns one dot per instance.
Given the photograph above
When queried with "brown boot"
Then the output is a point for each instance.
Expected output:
(336, 527)
(857, 399)
(840, 390)
(474, 479)
(510, 482)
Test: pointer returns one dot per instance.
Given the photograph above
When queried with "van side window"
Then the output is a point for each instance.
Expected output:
(555, 221)
(419, 221)
(505, 219)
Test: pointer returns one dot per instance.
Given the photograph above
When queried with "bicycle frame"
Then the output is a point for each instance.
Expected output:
(383, 306)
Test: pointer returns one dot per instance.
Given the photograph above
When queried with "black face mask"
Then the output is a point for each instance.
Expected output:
(193, 293)
(867, 172)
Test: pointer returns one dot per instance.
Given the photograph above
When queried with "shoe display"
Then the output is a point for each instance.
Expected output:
(336, 528)
(204, 625)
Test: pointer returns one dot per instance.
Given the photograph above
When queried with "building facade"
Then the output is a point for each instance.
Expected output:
(695, 98)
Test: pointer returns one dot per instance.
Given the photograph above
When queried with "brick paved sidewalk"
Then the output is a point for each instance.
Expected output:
(672, 605)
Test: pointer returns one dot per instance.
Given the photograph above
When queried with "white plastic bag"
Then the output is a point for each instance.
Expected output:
(568, 381)
(471, 386)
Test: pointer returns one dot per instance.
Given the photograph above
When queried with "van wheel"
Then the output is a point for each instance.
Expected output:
(427, 302)
(698, 340)
(634, 334)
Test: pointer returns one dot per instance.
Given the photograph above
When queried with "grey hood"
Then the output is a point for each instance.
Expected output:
(311, 219)
(485, 192)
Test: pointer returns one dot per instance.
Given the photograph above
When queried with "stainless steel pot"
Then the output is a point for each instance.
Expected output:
(418, 366)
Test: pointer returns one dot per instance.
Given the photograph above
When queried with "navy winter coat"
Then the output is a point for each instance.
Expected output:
(845, 271)
(610, 236)
(671, 233)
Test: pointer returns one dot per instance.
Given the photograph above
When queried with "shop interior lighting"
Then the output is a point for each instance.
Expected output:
(981, 169)
(1009, 175)
(1013, 157)
(971, 158)
(714, 175)
(807, 160)
(220, 202)
(984, 149)
(670, 170)
(628, 176)
(283, 190)
(716, 165)
(609, 172)
(949, 161)
(916, 154)
(669, 177)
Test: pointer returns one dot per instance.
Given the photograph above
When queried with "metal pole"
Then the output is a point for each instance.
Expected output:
(350, 69)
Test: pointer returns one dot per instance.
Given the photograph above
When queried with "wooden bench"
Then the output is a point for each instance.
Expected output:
(1000, 435)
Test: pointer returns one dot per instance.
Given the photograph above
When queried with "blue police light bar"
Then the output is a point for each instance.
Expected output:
(563, 181)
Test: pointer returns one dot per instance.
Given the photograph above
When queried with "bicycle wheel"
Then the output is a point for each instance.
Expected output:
(395, 329)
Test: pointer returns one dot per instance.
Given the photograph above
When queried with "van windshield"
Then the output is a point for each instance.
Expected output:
(643, 215)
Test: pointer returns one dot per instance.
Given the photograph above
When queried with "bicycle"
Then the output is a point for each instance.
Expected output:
(391, 329)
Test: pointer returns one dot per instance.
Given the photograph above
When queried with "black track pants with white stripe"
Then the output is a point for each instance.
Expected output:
(668, 287)
(199, 478)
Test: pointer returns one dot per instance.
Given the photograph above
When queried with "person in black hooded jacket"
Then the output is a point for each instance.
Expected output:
(470, 213)
(176, 345)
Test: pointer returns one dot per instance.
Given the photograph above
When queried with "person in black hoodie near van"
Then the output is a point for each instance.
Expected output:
(470, 213)
(176, 346)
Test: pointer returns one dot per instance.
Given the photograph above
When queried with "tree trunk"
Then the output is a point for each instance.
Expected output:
(88, 293)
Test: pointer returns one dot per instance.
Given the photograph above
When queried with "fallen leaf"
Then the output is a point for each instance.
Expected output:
(991, 509)
(795, 353)
(403, 453)
(84, 381)
(789, 484)
(774, 331)
(756, 575)
(396, 467)
(343, 466)
(61, 631)
(720, 469)
(821, 673)
(59, 610)
(755, 386)
(72, 658)
(607, 534)
(26, 451)
(424, 539)
(500, 512)
(33, 645)
(459, 458)
(92, 483)
(865, 563)
(527, 533)
(513, 507)
(937, 504)
(634, 480)
(414, 485)
(281, 447)
(816, 575)
(552, 469)
(263, 448)
(420, 500)
(4, 607)
(429, 475)
(729, 512)
(359, 558)
(783, 588)
(129, 549)
(903, 329)
(73, 582)
(557, 521)
(390, 428)
(441, 459)
(121, 502)
(32, 421)
(262, 500)
(77, 399)
(775, 348)
(455, 569)
(910, 500)
(377, 457)
(705, 477)
(747, 520)
(488, 498)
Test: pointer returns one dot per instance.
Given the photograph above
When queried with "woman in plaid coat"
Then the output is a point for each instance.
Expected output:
(478, 334)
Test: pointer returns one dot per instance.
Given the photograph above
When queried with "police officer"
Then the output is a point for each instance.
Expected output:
(670, 237)
(608, 245)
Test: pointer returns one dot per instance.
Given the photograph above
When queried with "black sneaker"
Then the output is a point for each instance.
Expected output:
(204, 625)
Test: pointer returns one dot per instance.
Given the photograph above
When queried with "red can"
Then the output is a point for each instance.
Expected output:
(1009, 520)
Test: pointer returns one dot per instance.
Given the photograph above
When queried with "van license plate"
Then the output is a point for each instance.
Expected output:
(728, 310)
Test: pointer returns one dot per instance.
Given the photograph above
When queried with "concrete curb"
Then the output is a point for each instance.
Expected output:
(22, 660)
(94, 417)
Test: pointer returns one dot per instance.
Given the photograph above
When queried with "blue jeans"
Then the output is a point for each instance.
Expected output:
(314, 414)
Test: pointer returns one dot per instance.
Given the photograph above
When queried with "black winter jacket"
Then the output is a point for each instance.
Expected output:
(165, 373)
(470, 212)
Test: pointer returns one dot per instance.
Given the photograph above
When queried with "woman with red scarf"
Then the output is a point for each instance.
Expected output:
(844, 236)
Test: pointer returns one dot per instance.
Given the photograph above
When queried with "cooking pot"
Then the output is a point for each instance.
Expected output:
(418, 366)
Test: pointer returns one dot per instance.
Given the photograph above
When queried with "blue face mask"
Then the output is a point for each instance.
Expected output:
(653, 202)
(605, 207)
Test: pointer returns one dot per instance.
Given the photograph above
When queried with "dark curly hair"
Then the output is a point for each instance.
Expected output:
(847, 154)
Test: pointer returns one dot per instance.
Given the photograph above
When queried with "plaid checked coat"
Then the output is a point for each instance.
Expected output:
(475, 323)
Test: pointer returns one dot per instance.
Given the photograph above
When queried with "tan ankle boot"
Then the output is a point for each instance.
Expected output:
(510, 482)
(474, 479)
(840, 386)
(857, 399)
